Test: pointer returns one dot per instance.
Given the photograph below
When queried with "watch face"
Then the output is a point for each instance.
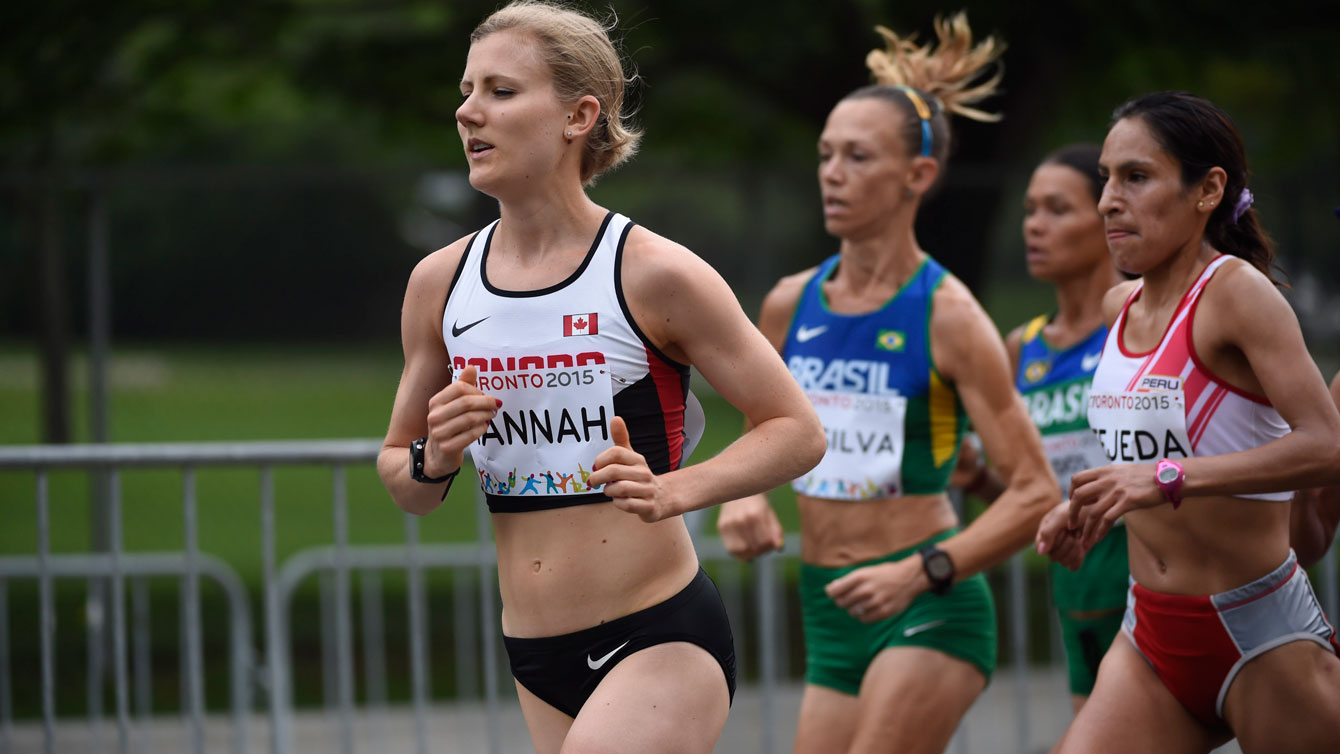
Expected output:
(1168, 474)
(938, 565)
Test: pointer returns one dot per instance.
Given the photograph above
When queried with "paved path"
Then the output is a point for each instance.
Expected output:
(993, 726)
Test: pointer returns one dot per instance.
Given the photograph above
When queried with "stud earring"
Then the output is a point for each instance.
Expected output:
(569, 134)
(1200, 205)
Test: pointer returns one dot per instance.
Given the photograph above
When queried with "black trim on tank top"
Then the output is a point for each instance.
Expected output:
(520, 504)
(460, 267)
(627, 313)
(484, 274)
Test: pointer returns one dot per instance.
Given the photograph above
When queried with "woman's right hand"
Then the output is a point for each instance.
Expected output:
(1058, 541)
(457, 416)
(749, 527)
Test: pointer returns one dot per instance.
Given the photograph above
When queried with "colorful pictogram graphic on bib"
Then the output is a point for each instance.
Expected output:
(553, 423)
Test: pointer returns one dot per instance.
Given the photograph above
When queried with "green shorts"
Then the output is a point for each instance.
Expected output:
(839, 648)
(1086, 641)
(1099, 586)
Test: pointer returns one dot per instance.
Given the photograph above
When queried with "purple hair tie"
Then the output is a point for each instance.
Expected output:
(1244, 203)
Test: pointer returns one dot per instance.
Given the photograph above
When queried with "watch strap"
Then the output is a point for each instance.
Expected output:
(416, 456)
(1172, 490)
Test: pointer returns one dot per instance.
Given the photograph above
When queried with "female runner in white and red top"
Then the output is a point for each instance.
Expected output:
(598, 302)
(1206, 382)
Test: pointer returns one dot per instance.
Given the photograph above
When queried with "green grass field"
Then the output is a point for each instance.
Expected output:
(236, 394)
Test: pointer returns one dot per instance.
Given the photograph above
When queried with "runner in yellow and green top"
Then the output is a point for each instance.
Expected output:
(1054, 357)
(893, 352)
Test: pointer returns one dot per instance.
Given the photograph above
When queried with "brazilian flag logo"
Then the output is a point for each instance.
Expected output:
(890, 340)
(1036, 370)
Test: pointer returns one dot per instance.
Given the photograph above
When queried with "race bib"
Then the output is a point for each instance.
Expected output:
(1072, 452)
(553, 423)
(864, 459)
(1140, 427)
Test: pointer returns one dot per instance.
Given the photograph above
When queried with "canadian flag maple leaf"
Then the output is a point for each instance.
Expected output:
(581, 324)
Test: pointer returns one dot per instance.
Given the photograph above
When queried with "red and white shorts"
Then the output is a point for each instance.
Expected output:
(1197, 644)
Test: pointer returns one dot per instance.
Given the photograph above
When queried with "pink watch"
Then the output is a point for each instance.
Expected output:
(1168, 475)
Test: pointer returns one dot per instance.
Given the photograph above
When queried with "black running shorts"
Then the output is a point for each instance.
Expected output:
(564, 670)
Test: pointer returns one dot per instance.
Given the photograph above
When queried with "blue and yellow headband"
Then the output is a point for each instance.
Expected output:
(923, 112)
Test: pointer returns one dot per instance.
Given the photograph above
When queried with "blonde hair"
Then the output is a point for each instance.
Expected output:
(583, 60)
(941, 73)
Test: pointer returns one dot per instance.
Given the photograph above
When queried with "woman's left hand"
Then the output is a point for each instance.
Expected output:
(875, 592)
(1056, 540)
(1098, 497)
(628, 480)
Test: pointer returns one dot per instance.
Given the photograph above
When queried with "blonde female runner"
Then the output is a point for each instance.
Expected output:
(555, 344)
(896, 355)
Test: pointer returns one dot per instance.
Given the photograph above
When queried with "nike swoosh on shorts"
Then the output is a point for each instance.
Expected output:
(914, 630)
(598, 664)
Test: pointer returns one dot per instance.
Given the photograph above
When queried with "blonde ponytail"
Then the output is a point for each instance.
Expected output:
(927, 82)
(945, 71)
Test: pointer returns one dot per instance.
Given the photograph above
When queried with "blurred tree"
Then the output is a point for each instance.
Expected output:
(733, 96)
(75, 75)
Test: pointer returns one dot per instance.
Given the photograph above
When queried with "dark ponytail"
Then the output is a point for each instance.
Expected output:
(1083, 159)
(1201, 136)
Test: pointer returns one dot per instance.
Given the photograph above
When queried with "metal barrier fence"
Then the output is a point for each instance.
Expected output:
(474, 612)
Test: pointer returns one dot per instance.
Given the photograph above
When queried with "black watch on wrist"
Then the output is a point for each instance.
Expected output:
(939, 569)
(416, 450)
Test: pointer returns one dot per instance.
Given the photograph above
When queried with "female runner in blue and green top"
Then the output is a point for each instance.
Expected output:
(1054, 357)
(892, 351)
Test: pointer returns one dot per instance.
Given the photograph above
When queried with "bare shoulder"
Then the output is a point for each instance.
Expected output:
(673, 294)
(953, 306)
(962, 334)
(654, 264)
(426, 297)
(785, 293)
(779, 306)
(1238, 286)
(1115, 298)
(1014, 339)
(1240, 305)
(1014, 342)
(436, 270)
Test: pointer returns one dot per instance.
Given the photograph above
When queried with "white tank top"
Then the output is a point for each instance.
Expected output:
(564, 360)
(1165, 403)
